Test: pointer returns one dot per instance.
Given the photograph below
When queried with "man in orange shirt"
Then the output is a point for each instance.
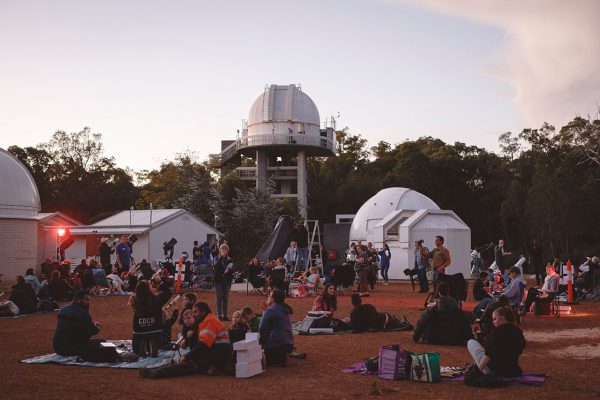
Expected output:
(209, 355)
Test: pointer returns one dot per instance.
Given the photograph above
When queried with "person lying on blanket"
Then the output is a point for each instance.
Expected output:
(504, 346)
(365, 317)
(208, 356)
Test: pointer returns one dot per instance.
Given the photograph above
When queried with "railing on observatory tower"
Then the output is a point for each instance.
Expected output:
(325, 141)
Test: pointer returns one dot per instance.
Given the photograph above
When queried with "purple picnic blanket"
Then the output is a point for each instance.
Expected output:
(524, 380)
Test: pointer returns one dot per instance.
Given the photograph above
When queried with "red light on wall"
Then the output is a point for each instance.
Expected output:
(61, 232)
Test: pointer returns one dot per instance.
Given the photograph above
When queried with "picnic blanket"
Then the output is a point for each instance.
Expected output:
(164, 358)
(296, 326)
(527, 379)
(25, 315)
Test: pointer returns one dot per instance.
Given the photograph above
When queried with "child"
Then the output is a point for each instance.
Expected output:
(238, 328)
(252, 320)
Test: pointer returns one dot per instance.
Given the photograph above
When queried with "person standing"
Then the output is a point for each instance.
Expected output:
(123, 254)
(536, 258)
(302, 240)
(105, 251)
(291, 256)
(384, 256)
(440, 259)
(196, 252)
(499, 254)
(421, 264)
(222, 277)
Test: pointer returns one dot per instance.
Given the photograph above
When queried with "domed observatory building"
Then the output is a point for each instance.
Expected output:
(282, 130)
(399, 217)
(19, 206)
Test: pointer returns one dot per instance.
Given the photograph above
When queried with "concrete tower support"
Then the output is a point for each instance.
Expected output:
(302, 185)
(262, 158)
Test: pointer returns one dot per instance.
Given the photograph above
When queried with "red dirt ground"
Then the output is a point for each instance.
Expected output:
(318, 376)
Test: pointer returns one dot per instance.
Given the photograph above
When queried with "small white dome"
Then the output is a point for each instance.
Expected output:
(19, 197)
(383, 203)
(286, 104)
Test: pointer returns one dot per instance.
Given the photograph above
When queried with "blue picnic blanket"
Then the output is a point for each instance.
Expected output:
(164, 358)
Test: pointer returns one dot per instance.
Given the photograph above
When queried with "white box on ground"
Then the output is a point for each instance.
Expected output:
(247, 373)
(249, 355)
(245, 344)
(251, 335)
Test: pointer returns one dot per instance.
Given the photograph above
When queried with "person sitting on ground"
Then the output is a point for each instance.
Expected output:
(326, 301)
(74, 327)
(58, 288)
(33, 281)
(276, 329)
(161, 288)
(479, 292)
(145, 269)
(512, 292)
(443, 322)
(504, 346)
(256, 275)
(115, 282)
(188, 336)
(251, 319)
(23, 296)
(314, 279)
(87, 278)
(548, 290)
(147, 321)
(98, 274)
(279, 275)
(189, 299)
(209, 354)
(485, 317)
(365, 317)
(80, 267)
(238, 327)
(65, 269)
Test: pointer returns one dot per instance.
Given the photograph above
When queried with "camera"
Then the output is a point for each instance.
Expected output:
(411, 272)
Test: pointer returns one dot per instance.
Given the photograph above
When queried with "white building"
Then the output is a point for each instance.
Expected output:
(400, 216)
(152, 228)
(19, 206)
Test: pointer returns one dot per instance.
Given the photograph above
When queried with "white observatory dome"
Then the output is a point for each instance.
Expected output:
(19, 197)
(282, 110)
(382, 204)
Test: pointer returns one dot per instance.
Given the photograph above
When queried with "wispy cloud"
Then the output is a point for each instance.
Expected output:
(551, 55)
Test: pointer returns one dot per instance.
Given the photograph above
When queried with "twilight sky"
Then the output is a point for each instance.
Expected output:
(160, 77)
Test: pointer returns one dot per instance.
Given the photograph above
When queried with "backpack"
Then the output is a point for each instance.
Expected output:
(48, 305)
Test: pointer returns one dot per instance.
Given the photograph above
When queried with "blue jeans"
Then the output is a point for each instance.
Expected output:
(384, 272)
(483, 305)
(477, 352)
(222, 290)
(303, 257)
(423, 283)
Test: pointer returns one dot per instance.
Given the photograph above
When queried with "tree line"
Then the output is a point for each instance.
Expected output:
(544, 184)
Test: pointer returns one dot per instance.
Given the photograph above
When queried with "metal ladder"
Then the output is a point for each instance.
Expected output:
(314, 240)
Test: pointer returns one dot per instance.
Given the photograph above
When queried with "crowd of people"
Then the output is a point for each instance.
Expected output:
(495, 344)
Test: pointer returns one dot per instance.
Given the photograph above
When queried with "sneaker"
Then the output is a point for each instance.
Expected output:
(143, 351)
(295, 354)
(220, 317)
(385, 283)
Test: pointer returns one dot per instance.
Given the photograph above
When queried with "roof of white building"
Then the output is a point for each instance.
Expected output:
(135, 221)
(382, 204)
(19, 197)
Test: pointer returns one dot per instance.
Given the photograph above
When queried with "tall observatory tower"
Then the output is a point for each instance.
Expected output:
(282, 130)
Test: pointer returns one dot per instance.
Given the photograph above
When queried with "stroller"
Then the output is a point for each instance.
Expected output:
(343, 277)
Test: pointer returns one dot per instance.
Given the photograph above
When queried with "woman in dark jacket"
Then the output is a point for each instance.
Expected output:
(276, 330)
(23, 296)
(147, 321)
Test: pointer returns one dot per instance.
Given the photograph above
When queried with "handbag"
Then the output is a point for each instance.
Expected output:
(425, 367)
(394, 363)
